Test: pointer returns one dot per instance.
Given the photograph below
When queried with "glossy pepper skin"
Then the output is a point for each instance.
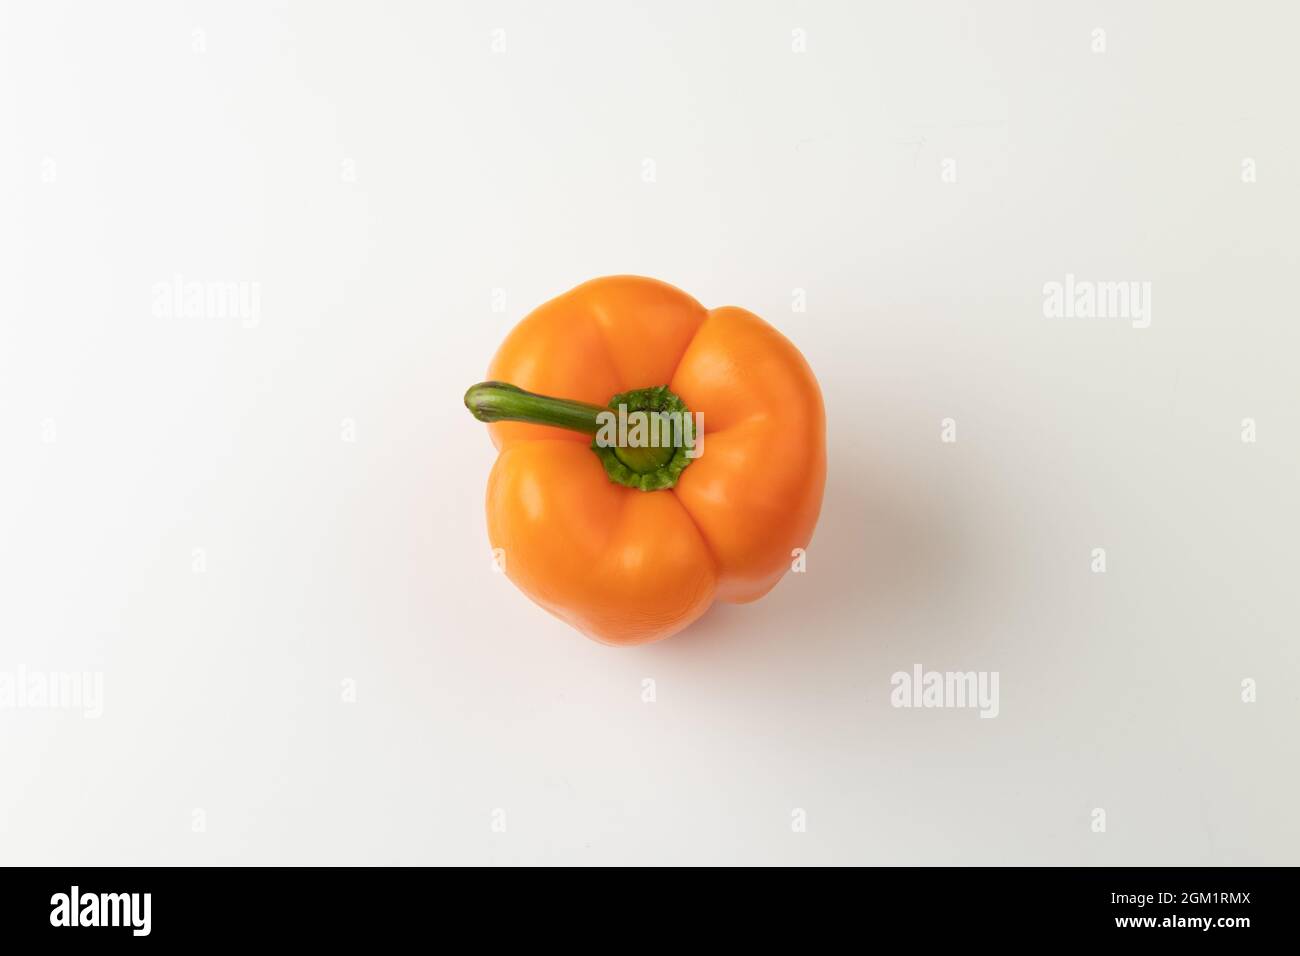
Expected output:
(627, 566)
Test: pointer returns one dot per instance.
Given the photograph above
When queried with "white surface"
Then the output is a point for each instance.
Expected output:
(522, 171)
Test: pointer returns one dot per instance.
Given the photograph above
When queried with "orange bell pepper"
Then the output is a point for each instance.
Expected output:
(632, 544)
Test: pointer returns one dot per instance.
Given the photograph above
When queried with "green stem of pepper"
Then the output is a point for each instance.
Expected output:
(500, 402)
(646, 468)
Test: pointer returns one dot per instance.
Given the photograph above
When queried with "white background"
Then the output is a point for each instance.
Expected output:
(379, 171)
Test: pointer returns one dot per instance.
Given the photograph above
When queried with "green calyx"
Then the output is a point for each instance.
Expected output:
(659, 457)
(641, 438)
